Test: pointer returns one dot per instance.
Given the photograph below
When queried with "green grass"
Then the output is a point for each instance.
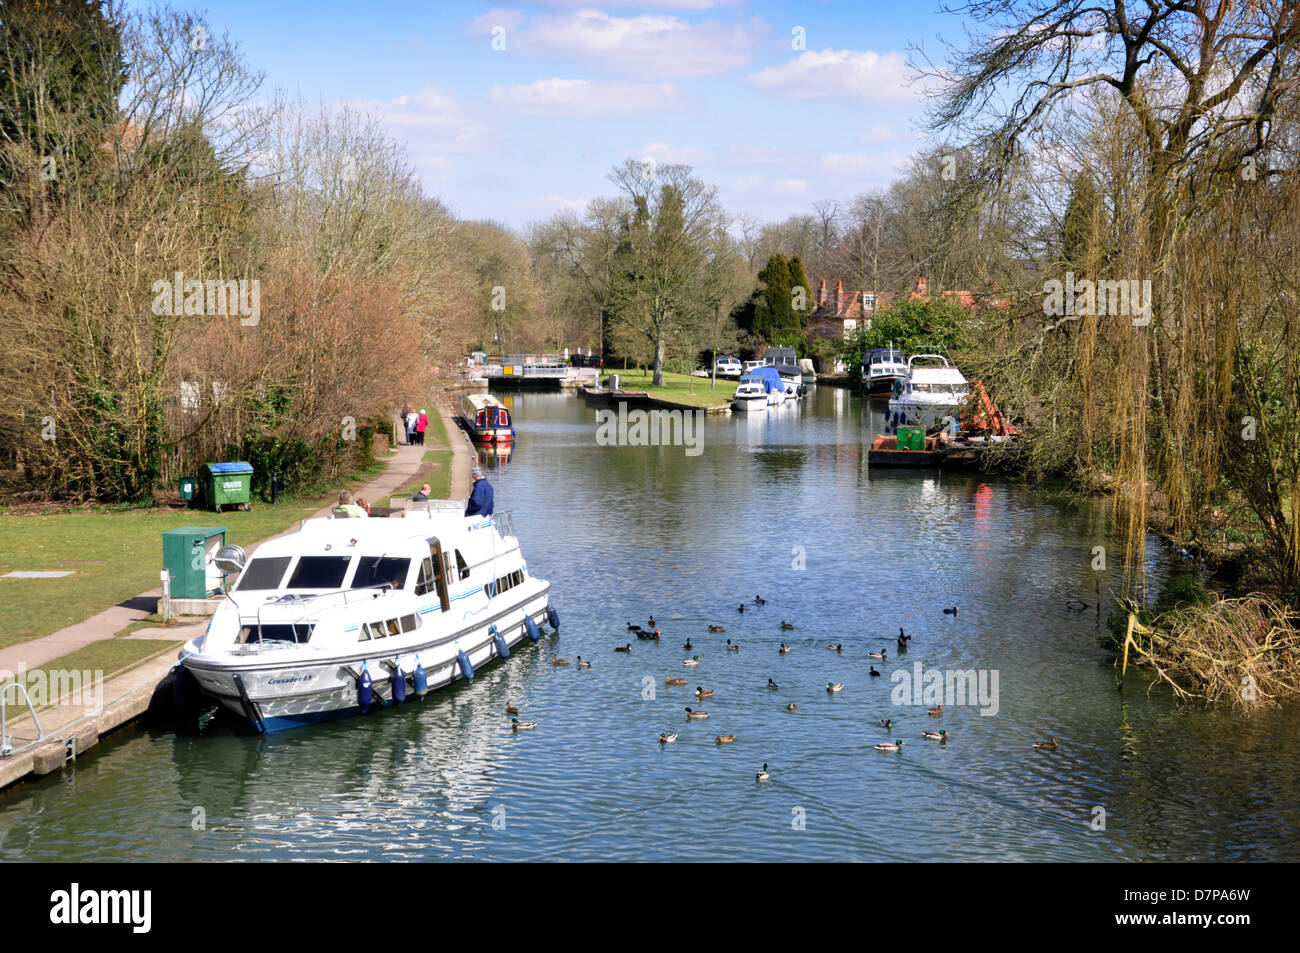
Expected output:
(108, 657)
(679, 388)
(436, 432)
(116, 554)
(435, 471)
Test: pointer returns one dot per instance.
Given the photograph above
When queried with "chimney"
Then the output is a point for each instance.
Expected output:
(920, 285)
(839, 296)
(821, 295)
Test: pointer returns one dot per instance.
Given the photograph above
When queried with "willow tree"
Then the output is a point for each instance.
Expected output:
(1195, 88)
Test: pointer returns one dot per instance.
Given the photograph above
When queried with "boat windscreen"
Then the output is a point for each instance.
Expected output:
(265, 572)
(319, 572)
(377, 570)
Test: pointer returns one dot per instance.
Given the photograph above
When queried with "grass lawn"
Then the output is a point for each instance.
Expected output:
(435, 470)
(680, 388)
(114, 555)
(107, 657)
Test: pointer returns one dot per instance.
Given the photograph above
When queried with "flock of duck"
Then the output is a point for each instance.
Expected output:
(650, 632)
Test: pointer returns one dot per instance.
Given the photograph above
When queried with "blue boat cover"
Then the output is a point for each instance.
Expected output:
(769, 376)
(230, 467)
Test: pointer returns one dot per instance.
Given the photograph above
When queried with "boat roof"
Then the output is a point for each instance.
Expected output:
(889, 353)
(348, 536)
(482, 401)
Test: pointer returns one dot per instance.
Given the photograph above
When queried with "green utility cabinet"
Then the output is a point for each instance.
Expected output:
(225, 484)
(188, 554)
(911, 438)
(187, 489)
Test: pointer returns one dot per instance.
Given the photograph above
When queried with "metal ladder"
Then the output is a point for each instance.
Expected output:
(6, 742)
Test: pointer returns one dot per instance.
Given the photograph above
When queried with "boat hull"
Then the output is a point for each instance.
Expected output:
(273, 694)
(750, 405)
(906, 413)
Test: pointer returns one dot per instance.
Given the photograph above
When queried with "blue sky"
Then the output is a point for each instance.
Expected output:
(516, 134)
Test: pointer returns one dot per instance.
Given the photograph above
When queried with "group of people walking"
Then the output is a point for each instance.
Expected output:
(416, 424)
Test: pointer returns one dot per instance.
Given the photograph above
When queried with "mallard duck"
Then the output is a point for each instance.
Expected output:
(742, 608)
(1049, 745)
(559, 661)
(903, 640)
(885, 723)
(717, 628)
(886, 746)
(703, 693)
(937, 710)
(791, 707)
(651, 623)
(667, 739)
(692, 662)
(696, 715)
(772, 685)
(517, 725)
(511, 709)
(725, 739)
(763, 775)
(940, 735)
(835, 687)
(669, 680)
(582, 663)
(623, 648)
(786, 626)
(759, 601)
(731, 647)
(952, 610)
(880, 655)
(836, 646)
(688, 646)
(785, 649)
(873, 673)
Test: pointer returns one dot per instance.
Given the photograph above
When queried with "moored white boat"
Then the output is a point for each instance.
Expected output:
(349, 613)
(932, 391)
(751, 396)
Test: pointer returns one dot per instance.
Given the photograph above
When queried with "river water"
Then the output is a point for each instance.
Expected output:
(781, 505)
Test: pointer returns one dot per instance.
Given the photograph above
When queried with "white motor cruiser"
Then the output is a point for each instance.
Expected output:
(349, 614)
(932, 390)
(751, 396)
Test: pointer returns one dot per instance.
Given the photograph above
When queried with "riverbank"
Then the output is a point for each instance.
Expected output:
(679, 391)
(118, 656)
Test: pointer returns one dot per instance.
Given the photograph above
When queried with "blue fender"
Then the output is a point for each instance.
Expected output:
(399, 685)
(365, 690)
(503, 650)
(553, 617)
(531, 628)
(420, 680)
(466, 668)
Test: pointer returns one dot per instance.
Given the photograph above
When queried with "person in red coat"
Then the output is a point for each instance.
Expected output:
(421, 425)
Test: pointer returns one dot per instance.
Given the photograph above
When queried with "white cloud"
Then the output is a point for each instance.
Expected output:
(879, 133)
(762, 185)
(429, 120)
(665, 154)
(582, 99)
(647, 47)
(564, 203)
(878, 79)
(497, 16)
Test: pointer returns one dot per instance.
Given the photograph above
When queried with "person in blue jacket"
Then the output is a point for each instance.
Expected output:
(480, 501)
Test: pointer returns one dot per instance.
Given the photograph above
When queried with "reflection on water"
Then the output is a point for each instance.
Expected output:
(782, 504)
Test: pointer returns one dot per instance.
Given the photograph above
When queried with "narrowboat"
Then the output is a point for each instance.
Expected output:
(486, 419)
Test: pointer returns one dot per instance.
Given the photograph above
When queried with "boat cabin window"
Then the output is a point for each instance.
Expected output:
(264, 572)
(386, 627)
(504, 583)
(377, 570)
(299, 633)
(319, 572)
(481, 418)
(424, 581)
(462, 567)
